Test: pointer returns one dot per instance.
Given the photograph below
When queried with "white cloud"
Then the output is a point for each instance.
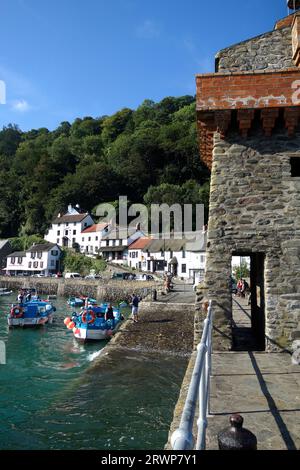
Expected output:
(148, 30)
(21, 106)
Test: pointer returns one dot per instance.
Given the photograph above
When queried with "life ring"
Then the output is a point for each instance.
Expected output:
(16, 312)
(85, 314)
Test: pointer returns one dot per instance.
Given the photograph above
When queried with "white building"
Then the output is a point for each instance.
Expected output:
(115, 248)
(39, 259)
(91, 237)
(181, 257)
(66, 230)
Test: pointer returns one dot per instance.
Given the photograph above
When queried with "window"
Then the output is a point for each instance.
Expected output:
(35, 264)
(58, 233)
(89, 239)
(20, 259)
(29, 264)
(54, 252)
(13, 260)
(74, 232)
(58, 225)
(85, 224)
(74, 224)
(162, 254)
(40, 255)
(96, 239)
(107, 242)
(73, 240)
(52, 262)
(183, 268)
(82, 239)
(202, 259)
(295, 167)
(183, 254)
(42, 264)
(67, 224)
(32, 256)
(57, 241)
(137, 254)
(66, 232)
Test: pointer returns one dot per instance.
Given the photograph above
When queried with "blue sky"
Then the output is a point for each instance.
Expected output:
(62, 59)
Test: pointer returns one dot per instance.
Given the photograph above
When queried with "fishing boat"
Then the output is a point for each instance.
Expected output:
(4, 291)
(80, 301)
(31, 314)
(90, 324)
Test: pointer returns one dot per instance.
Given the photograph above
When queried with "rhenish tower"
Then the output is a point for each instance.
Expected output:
(248, 125)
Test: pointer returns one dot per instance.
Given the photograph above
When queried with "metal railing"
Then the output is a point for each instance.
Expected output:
(182, 438)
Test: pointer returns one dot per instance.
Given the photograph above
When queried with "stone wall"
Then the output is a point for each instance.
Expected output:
(255, 208)
(270, 51)
(105, 290)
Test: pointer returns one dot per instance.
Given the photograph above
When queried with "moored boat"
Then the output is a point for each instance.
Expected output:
(30, 314)
(75, 302)
(90, 324)
(4, 291)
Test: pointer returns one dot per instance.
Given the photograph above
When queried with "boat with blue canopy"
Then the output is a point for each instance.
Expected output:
(92, 323)
(31, 314)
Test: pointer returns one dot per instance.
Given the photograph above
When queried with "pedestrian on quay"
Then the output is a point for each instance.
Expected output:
(135, 308)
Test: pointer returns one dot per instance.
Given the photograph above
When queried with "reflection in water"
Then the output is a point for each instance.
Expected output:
(56, 394)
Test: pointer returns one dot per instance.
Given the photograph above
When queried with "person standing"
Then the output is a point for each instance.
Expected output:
(135, 308)
(109, 315)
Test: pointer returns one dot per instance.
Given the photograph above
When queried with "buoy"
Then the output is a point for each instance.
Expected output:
(71, 325)
(67, 321)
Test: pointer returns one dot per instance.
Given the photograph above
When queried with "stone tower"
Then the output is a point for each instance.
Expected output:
(248, 126)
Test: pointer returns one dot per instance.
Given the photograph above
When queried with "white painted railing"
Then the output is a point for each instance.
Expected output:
(182, 438)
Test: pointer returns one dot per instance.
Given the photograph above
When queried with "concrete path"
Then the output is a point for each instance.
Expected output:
(243, 339)
(182, 293)
(265, 389)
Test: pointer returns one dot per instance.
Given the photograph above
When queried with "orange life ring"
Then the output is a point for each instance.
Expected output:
(85, 314)
(16, 312)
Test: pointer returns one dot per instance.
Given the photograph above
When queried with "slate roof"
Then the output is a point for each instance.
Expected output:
(69, 218)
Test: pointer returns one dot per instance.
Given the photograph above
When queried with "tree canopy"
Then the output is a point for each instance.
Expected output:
(149, 154)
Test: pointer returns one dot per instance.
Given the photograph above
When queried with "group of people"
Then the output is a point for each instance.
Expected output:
(25, 295)
(242, 287)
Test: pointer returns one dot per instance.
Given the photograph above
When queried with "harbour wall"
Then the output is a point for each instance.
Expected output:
(109, 291)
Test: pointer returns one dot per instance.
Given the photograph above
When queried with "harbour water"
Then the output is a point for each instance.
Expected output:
(54, 396)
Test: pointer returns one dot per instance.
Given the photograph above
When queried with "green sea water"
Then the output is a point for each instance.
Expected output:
(54, 396)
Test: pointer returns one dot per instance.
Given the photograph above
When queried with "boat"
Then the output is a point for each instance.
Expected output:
(75, 302)
(90, 324)
(4, 291)
(80, 301)
(31, 314)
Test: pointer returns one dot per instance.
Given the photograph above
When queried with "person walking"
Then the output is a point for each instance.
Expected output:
(135, 308)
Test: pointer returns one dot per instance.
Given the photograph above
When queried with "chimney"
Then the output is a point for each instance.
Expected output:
(293, 6)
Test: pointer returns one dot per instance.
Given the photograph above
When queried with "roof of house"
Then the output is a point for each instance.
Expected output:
(41, 247)
(69, 218)
(3, 243)
(140, 244)
(107, 249)
(155, 245)
(17, 254)
(95, 228)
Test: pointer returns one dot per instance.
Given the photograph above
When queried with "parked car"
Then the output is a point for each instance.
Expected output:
(72, 276)
(123, 276)
(144, 277)
(93, 276)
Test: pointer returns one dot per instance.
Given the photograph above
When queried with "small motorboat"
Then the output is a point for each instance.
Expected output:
(90, 324)
(4, 291)
(75, 302)
(31, 314)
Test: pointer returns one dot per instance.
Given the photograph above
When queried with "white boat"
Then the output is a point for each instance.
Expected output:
(4, 291)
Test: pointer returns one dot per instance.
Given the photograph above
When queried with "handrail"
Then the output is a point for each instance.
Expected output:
(182, 438)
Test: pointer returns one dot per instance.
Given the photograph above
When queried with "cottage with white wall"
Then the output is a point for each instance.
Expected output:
(114, 247)
(39, 259)
(66, 230)
(183, 258)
